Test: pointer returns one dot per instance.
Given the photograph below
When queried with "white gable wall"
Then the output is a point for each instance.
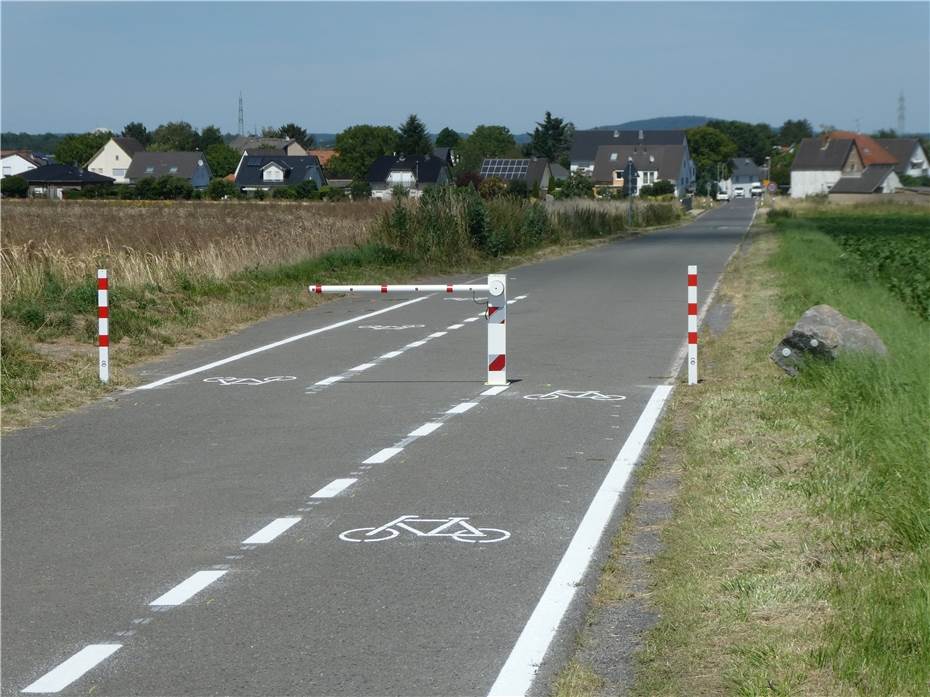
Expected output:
(11, 165)
(918, 165)
(813, 182)
(111, 161)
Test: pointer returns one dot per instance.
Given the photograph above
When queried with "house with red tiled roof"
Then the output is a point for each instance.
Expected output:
(324, 156)
(842, 162)
(871, 151)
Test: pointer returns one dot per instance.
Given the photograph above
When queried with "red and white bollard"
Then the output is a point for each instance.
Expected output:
(692, 325)
(103, 326)
(496, 288)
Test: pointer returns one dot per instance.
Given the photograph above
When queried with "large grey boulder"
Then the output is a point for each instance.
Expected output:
(824, 332)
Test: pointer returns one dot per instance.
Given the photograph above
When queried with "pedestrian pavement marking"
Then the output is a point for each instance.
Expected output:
(462, 408)
(496, 390)
(188, 588)
(271, 531)
(66, 673)
(382, 456)
(425, 429)
(337, 486)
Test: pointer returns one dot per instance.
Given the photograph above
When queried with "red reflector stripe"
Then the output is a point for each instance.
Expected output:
(492, 310)
(448, 289)
(384, 289)
(692, 337)
(498, 363)
(318, 288)
(103, 312)
(104, 340)
(101, 284)
(692, 308)
(692, 279)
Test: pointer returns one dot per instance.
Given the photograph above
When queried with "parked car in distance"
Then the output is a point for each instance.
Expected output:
(723, 196)
(756, 190)
(738, 192)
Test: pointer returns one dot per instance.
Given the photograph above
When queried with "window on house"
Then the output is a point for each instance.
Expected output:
(172, 170)
(119, 172)
(273, 174)
(149, 170)
(7, 169)
(116, 157)
(613, 157)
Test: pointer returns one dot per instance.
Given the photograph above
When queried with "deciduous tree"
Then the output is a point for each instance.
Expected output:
(357, 147)
(447, 138)
(298, 133)
(709, 147)
(486, 141)
(210, 135)
(78, 149)
(137, 130)
(175, 135)
(793, 132)
(222, 159)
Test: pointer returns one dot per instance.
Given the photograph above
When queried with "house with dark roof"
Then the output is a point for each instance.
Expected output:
(534, 171)
(820, 162)
(15, 162)
(912, 160)
(652, 163)
(744, 174)
(52, 181)
(415, 174)
(270, 171)
(191, 166)
(280, 146)
(114, 158)
(874, 179)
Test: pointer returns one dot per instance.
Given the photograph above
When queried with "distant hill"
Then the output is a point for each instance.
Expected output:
(661, 123)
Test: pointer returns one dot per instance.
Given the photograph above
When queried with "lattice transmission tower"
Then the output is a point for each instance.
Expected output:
(902, 114)
(241, 117)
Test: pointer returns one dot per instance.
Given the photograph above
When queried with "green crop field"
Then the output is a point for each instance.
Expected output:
(892, 246)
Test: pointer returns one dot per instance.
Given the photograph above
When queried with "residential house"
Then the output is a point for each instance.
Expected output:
(282, 146)
(912, 160)
(559, 173)
(52, 181)
(819, 163)
(744, 174)
(415, 174)
(191, 166)
(586, 144)
(324, 155)
(15, 162)
(114, 158)
(535, 171)
(447, 154)
(269, 171)
(652, 163)
(874, 179)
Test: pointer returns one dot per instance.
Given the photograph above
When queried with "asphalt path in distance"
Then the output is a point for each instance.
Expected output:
(107, 509)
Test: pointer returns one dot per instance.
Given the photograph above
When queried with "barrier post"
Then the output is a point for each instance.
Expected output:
(497, 329)
(103, 326)
(692, 325)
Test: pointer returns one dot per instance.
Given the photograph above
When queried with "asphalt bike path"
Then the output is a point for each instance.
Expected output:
(123, 503)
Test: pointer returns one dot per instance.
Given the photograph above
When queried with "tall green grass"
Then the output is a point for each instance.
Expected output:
(871, 473)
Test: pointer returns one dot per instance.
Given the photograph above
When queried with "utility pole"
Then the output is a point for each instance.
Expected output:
(629, 186)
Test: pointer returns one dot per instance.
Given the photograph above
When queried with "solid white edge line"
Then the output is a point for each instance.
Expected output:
(496, 390)
(382, 455)
(425, 429)
(462, 408)
(188, 588)
(271, 531)
(276, 344)
(516, 676)
(337, 486)
(66, 673)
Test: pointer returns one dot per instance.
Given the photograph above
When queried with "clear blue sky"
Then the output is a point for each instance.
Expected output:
(76, 66)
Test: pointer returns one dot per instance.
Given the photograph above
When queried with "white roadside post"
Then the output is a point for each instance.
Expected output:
(692, 325)
(103, 326)
(496, 288)
(497, 329)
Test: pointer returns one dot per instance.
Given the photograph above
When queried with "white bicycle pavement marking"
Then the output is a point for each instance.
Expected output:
(577, 394)
(250, 381)
(454, 527)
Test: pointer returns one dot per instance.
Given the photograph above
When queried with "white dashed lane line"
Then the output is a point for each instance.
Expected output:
(492, 391)
(59, 678)
(462, 408)
(425, 429)
(382, 456)
(331, 380)
(271, 531)
(363, 366)
(188, 588)
(337, 486)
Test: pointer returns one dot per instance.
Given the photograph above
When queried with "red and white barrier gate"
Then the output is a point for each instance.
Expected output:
(103, 326)
(496, 288)
(692, 325)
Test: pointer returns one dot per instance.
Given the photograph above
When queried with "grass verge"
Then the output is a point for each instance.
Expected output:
(797, 561)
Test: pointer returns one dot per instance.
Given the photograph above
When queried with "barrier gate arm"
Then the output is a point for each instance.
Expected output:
(496, 288)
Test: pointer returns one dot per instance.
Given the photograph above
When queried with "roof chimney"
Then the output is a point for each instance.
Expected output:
(640, 133)
(616, 133)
